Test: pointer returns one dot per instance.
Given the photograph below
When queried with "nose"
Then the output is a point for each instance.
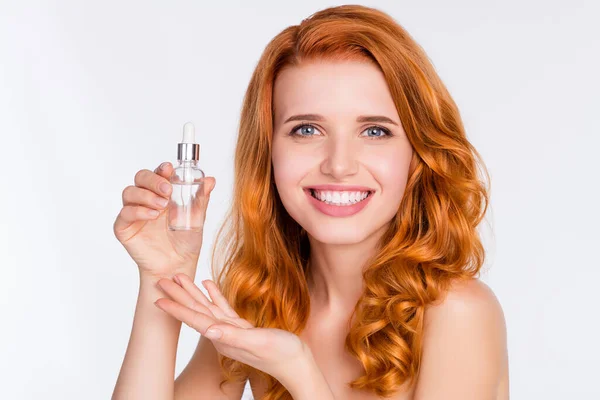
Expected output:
(341, 158)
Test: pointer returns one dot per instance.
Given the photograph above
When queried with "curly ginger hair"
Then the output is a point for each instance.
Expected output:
(431, 242)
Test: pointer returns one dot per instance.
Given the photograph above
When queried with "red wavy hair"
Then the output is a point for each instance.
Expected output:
(431, 242)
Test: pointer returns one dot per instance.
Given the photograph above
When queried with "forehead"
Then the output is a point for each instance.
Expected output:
(334, 89)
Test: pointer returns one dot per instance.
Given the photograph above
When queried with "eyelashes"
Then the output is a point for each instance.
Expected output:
(387, 132)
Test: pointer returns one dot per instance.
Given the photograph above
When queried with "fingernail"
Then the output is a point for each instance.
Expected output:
(176, 279)
(164, 187)
(213, 333)
(163, 165)
(162, 202)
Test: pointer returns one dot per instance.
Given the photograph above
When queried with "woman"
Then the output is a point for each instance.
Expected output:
(352, 258)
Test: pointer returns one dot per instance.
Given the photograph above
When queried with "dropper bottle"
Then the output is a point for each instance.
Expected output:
(186, 205)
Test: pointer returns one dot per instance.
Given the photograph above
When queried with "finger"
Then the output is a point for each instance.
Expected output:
(188, 284)
(165, 170)
(133, 195)
(131, 214)
(218, 298)
(181, 296)
(195, 320)
(149, 180)
(244, 339)
(202, 196)
(209, 185)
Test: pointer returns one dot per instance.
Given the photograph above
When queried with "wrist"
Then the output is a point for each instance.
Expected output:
(153, 277)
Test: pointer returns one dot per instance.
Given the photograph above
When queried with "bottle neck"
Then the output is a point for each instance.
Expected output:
(188, 162)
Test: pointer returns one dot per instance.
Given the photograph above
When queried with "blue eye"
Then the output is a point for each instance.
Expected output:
(383, 132)
(308, 130)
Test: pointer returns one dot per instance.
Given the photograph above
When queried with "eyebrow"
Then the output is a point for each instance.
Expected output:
(360, 118)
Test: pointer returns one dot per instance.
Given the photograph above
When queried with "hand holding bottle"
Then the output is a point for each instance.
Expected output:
(142, 225)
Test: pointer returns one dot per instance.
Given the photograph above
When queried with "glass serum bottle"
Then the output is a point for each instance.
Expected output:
(187, 204)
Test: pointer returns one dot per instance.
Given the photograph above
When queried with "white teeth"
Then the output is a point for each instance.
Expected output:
(339, 198)
(336, 197)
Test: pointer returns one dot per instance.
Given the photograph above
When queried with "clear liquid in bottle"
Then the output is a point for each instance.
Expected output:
(187, 203)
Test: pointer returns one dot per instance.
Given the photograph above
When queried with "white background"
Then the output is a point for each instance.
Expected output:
(91, 92)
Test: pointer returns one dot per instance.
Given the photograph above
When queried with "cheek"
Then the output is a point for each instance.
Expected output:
(290, 166)
(390, 169)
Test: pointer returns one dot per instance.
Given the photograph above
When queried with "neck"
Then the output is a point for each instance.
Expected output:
(335, 273)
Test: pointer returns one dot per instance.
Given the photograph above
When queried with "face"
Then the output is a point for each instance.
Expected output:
(338, 146)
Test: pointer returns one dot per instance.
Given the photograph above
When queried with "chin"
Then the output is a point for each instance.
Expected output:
(333, 237)
(337, 234)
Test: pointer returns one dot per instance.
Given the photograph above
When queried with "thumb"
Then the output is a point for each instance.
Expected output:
(209, 185)
(202, 197)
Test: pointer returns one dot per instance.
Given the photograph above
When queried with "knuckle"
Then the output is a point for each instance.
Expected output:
(125, 215)
(123, 212)
(196, 306)
(139, 176)
(141, 212)
(215, 311)
(130, 213)
(196, 322)
(127, 193)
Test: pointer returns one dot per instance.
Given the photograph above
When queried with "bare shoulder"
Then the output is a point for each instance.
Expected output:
(468, 299)
(464, 345)
(470, 309)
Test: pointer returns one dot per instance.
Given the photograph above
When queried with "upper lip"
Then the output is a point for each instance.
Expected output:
(341, 188)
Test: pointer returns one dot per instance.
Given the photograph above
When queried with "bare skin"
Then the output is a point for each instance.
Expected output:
(463, 330)
(465, 354)
(464, 351)
(147, 370)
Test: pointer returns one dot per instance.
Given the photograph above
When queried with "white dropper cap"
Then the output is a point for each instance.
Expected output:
(188, 150)
(188, 133)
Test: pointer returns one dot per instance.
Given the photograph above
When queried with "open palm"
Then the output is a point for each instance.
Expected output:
(274, 351)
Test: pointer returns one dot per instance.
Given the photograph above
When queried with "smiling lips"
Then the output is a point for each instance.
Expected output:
(339, 198)
(339, 201)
